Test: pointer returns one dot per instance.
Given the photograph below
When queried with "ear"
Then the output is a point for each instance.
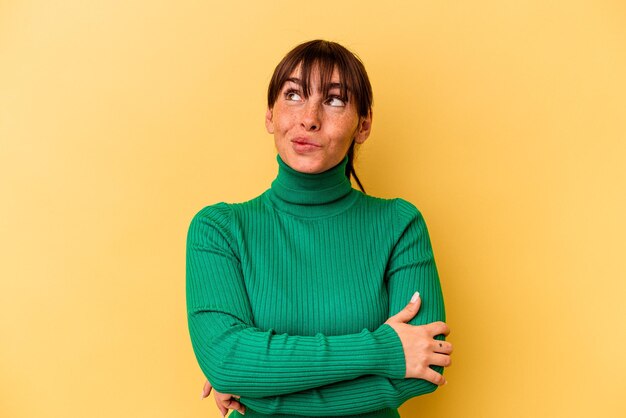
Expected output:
(269, 120)
(364, 128)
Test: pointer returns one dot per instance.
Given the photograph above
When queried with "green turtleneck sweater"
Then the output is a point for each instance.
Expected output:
(287, 295)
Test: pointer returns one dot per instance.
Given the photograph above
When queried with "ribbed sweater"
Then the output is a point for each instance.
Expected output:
(287, 295)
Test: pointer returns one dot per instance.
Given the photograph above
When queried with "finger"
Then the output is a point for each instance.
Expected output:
(233, 404)
(409, 311)
(442, 347)
(222, 408)
(241, 408)
(206, 390)
(222, 400)
(434, 377)
(441, 360)
(438, 328)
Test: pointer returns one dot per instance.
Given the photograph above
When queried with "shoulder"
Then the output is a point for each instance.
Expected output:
(222, 213)
(401, 216)
(407, 211)
(216, 214)
(398, 207)
(209, 224)
(220, 217)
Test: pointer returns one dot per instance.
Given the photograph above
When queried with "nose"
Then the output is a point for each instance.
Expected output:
(311, 116)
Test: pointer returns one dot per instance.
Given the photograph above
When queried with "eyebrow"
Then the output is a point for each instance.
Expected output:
(294, 80)
(297, 81)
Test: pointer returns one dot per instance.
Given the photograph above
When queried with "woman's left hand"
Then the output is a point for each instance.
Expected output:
(224, 401)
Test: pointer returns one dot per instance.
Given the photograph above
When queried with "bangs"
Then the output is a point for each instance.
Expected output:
(325, 66)
(325, 57)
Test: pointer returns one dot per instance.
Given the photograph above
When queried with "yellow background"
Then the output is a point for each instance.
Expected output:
(503, 121)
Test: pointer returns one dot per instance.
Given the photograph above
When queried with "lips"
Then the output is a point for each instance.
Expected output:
(304, 146)
(304, 141)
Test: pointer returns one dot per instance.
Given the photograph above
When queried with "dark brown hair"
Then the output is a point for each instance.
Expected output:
(326, 56)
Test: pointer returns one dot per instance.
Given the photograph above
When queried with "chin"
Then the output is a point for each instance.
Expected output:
(308, 168)
(304, 165)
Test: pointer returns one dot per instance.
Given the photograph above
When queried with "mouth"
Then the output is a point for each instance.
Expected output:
(304, 146)
(304, 142)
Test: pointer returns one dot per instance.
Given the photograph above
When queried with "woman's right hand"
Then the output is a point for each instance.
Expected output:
(420, 347)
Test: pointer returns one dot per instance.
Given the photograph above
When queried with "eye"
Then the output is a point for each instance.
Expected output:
(293, 95)
(336, 101)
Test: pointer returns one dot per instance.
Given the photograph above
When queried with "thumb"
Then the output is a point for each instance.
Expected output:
(409, 311)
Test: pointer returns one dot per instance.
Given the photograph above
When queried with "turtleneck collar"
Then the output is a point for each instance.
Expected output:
(311, 195)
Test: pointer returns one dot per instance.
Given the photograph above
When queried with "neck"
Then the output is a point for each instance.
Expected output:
(303, 194)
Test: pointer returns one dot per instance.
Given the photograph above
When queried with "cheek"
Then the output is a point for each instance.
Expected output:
(283, 121)
(346, 130)
(284, 124)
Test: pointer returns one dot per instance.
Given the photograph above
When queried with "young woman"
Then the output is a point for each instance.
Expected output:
(315, 299)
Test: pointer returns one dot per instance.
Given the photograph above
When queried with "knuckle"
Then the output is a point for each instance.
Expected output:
(422, 370)
(438, 379)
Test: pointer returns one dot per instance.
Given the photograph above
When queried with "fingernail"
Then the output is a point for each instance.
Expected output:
(415, 297)
(202, 396)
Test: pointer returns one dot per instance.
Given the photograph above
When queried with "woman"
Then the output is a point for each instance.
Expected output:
(297, 299)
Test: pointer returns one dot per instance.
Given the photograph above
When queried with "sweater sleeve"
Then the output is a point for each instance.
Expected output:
(411, 268)
(239, 358)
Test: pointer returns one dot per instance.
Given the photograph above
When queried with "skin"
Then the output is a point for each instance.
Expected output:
(313, 135)
(421, 349)
(224, 401)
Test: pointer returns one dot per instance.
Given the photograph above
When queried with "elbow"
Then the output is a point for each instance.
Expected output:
(224, 378)
(213, 369)
(216, 353)
(219, 377)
